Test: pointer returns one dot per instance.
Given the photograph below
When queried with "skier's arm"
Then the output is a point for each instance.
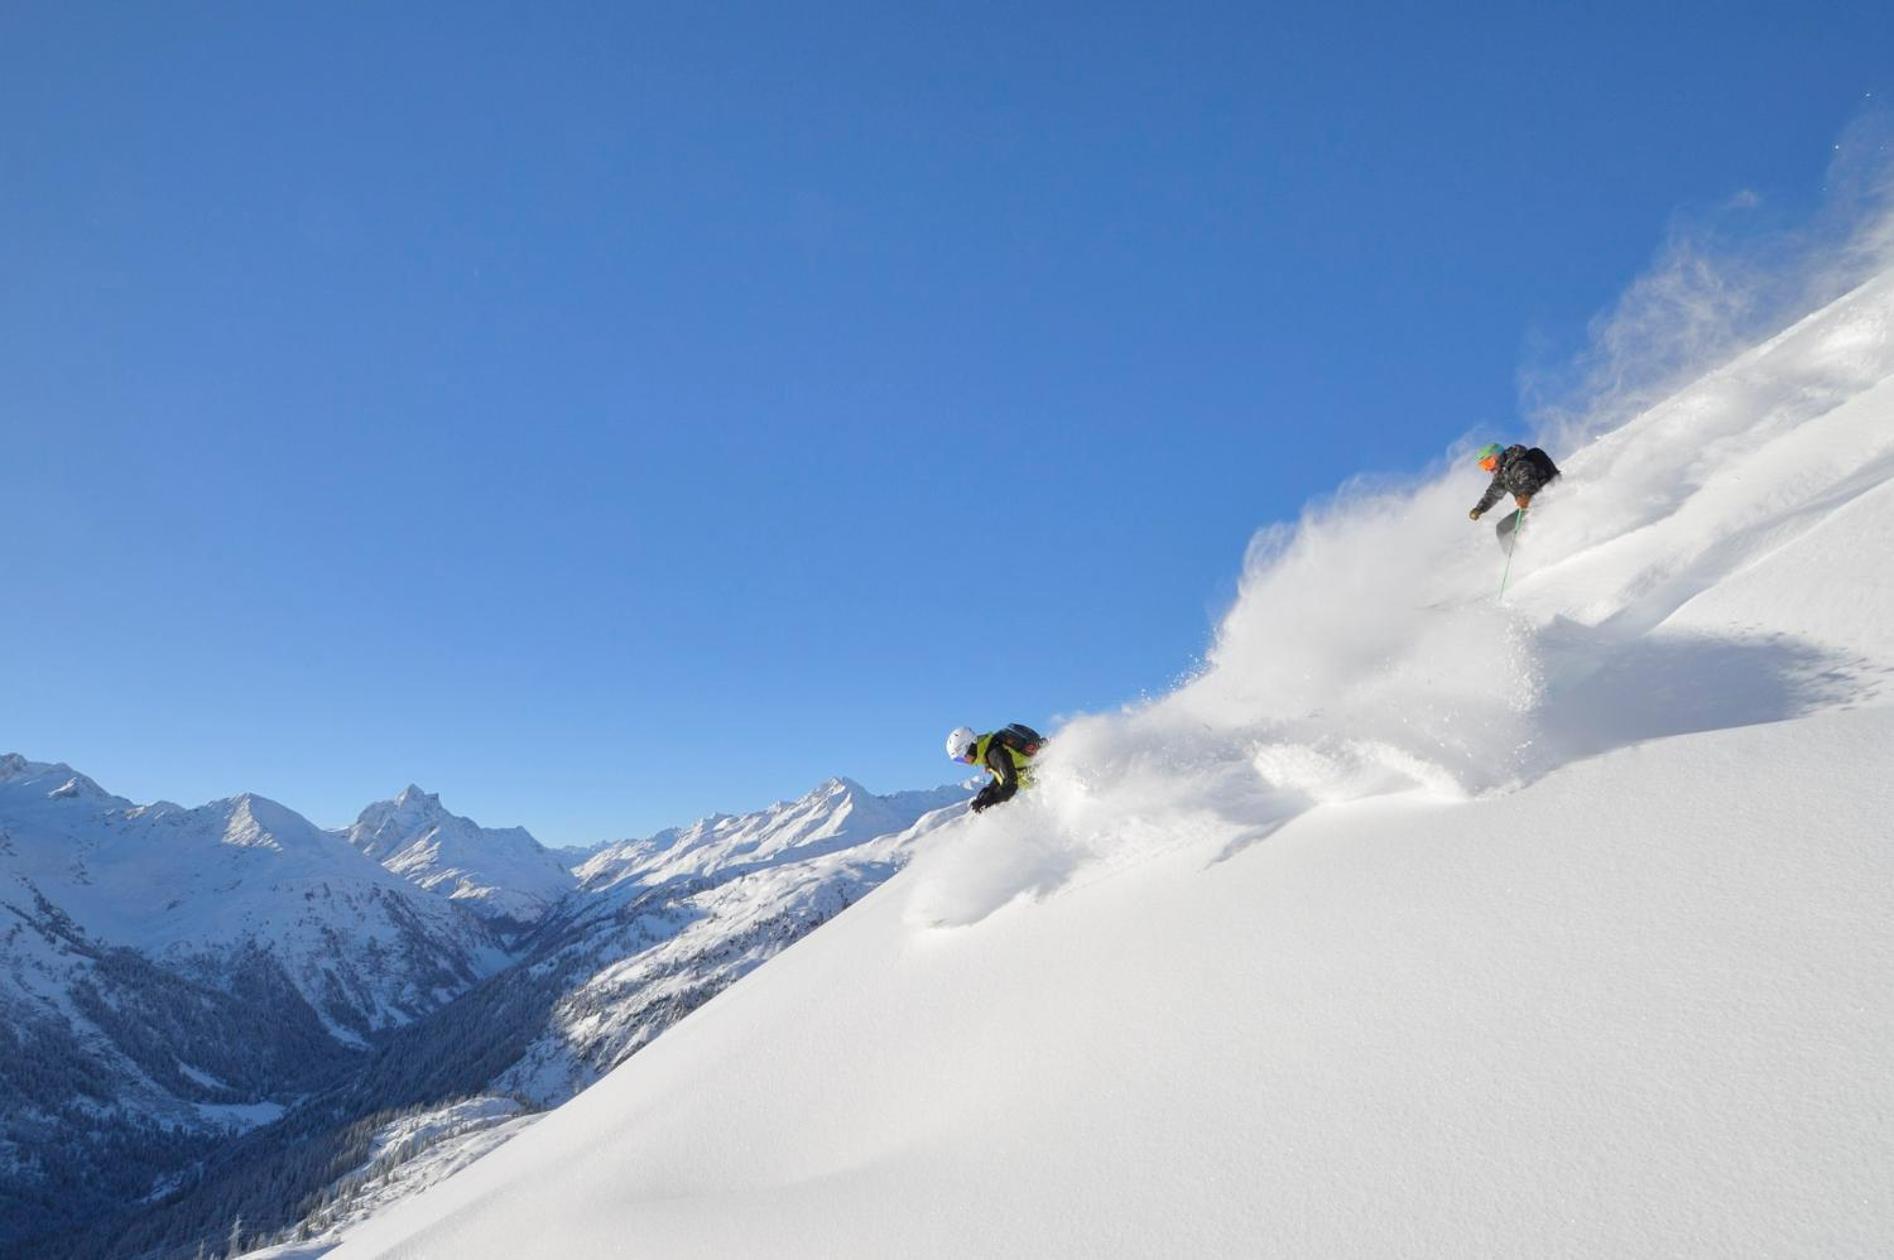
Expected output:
(1006, 778)
(1492, 494)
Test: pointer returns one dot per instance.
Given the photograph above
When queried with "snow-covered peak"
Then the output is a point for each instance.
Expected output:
(384, 827)
(416, 800)
(12, 766)
(503, 873)
(59, 780)
(258, 822)
(27, 785)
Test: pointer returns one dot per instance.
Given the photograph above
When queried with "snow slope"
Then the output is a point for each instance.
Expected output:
(1417, 923)
(1394, 1029)
(406, 1154)
(666, 923)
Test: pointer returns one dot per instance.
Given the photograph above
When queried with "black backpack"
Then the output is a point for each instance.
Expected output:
(1021, 738)
(1543, 462)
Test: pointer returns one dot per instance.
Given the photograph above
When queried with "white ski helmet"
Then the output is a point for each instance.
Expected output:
(961, 742)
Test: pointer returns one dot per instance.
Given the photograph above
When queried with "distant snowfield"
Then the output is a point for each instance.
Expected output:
(1418, 924)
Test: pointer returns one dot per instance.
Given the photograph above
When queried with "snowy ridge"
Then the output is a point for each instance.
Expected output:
(836, 815)
(1418, 923)
(667, 923)
(503, 874)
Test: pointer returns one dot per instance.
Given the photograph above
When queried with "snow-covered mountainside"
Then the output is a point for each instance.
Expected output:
(671, 921)
(666, 925)
(194, 888)
(1420, 922)
(504, 874)
(170, 975)
(675, 921)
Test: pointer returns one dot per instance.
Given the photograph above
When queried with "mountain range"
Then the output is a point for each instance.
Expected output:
(191, 995)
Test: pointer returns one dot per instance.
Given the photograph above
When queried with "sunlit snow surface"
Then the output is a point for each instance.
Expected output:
(1418, 923)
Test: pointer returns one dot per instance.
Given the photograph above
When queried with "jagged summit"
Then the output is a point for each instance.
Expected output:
(415, 797)
(502, 873)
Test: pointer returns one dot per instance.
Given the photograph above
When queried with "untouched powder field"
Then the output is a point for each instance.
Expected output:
(1418, 923)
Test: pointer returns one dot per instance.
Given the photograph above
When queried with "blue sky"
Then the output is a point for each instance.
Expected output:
(608, 414)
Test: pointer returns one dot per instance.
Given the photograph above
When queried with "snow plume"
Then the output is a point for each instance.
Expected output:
(1724, 279)
(1369, 653)
(1355, 662)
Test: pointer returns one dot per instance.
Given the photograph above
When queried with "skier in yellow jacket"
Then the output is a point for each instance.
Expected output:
(1007, 755)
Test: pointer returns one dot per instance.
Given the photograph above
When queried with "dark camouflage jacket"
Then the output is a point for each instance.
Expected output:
(1522, 471)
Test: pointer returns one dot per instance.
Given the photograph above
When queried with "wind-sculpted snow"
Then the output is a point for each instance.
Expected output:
(1369, 651)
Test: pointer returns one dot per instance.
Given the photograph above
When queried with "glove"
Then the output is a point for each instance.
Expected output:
(1474, 515)
(976, 805)
(1523, 500)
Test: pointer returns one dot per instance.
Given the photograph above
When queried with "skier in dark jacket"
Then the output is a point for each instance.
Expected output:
(1520, 471)
(1007, 755)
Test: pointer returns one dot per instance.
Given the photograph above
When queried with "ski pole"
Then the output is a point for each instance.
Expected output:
(1512, 545)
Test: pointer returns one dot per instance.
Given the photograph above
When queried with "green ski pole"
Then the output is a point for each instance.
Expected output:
(1512, 545)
